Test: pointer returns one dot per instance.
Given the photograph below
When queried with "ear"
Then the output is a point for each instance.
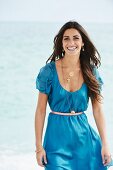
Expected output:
(82, 44)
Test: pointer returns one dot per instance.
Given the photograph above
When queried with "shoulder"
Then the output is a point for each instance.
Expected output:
(44, 78)
(96, 73)
(95, 70)
(46, 71)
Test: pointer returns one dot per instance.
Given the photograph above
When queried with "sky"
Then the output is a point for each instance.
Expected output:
(56, 10)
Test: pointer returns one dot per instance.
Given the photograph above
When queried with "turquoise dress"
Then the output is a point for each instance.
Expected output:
(69, 141)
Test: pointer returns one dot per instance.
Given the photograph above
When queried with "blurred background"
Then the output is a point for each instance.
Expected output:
(27, 30)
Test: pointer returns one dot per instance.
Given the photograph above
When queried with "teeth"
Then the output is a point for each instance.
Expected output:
(71, 48)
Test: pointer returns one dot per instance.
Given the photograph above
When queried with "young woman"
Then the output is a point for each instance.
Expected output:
(66, 83)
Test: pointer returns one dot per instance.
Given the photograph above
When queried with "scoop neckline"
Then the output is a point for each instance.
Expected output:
(62, 86)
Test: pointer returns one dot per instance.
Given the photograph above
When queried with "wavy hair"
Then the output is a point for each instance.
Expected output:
(89, 58)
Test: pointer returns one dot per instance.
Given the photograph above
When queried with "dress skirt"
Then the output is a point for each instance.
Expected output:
(72, 144)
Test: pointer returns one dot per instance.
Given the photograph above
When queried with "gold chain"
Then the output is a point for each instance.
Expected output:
(68, 80)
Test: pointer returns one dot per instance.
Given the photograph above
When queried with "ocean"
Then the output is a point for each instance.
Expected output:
(24, 49)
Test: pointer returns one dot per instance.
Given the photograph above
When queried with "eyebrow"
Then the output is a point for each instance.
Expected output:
(73, 36)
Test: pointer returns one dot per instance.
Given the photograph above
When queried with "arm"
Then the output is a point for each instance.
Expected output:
(44, 85)
(100, 120)
(101, 126)
(40, 118)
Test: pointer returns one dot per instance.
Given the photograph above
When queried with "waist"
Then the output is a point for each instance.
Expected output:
(68, 113)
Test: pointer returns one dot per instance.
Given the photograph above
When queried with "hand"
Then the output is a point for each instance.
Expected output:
(41, 157)
(106, 157)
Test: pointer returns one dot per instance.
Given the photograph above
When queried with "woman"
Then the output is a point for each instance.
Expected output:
(67, 83)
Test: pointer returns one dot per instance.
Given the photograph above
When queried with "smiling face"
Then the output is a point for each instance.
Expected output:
(72, 42)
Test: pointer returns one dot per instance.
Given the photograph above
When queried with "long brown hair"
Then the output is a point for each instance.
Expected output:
(89, 58)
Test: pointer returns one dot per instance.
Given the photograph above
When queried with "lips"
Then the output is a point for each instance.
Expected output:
(71, 48)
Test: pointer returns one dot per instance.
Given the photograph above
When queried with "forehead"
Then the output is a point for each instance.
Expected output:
(71, 31)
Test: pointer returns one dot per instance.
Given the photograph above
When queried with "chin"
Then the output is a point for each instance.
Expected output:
(73, 53)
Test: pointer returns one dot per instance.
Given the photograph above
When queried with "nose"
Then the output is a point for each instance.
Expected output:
(71, 42)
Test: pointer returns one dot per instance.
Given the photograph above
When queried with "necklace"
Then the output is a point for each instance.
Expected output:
(71, 74)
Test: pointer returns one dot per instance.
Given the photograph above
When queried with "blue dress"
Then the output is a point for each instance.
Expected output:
(69, 141)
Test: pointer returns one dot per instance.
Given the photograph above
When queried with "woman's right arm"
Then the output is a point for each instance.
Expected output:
(39, 124)
(40, 117)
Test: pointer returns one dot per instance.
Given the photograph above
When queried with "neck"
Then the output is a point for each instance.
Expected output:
(71, 61)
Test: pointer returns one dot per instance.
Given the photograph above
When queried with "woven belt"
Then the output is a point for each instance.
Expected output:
(71, 113)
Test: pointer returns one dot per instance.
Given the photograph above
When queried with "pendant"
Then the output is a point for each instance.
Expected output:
(73, 112)
(68, 79)
(71, 74)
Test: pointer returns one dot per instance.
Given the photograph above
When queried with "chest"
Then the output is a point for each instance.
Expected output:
(70, 79)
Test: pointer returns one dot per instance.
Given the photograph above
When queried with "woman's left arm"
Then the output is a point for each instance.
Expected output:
(98, 113)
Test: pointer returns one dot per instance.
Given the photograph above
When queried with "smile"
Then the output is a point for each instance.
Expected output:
(71, 48)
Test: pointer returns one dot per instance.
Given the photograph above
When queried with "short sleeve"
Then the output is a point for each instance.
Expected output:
(44, 80)
(98, 77)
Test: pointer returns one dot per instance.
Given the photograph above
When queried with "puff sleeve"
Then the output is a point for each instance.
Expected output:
(44, 80)
(98, 77)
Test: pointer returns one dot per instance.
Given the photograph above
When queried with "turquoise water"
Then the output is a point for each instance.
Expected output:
(24, 48)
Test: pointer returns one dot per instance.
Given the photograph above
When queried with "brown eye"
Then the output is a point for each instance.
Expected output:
(66, 38)
(76, 38)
